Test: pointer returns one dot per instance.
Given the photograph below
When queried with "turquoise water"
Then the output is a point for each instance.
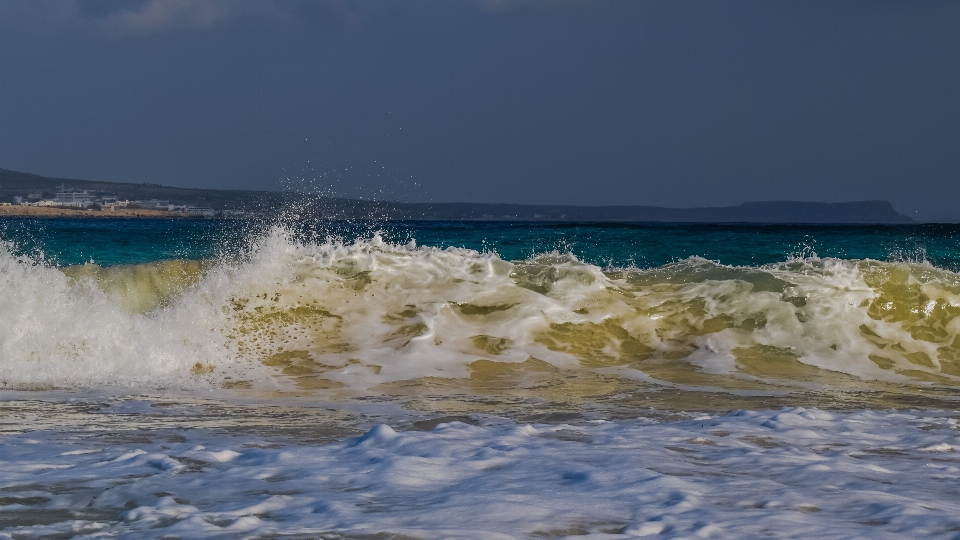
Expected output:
(188, 381)
(330, 305)
(110, 242)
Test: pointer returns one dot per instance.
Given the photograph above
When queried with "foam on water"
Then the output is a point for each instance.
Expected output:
(56, 331)
(789, 473)
(551, 366)
(364, 317)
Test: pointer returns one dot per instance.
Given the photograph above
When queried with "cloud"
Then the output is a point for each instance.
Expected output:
(536, 6)
(146, 17)
(124, 17)
(158, 15)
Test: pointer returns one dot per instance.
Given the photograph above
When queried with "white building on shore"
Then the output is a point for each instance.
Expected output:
(83, 199)
(71, 198)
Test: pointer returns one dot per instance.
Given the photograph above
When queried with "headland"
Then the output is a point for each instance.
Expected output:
(30, 195)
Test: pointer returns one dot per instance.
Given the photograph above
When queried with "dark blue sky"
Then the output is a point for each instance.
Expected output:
(672, 103)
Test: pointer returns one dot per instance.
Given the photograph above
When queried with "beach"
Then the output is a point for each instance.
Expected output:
(64, 212)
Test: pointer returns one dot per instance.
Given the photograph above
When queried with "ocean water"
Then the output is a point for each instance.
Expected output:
(225, 379)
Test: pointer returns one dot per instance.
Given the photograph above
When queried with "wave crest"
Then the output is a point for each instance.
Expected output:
(367, 315)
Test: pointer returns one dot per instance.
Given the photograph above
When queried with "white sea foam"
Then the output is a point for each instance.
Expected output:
(58, 332)
(790, 473)
(291, 313)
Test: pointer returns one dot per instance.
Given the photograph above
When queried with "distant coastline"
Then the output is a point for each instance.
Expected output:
(143, 202)
(59, 212)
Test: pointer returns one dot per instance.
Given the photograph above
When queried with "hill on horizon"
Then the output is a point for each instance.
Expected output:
(15, 183)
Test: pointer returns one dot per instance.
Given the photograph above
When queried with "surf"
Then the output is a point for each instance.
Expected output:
(370, 317)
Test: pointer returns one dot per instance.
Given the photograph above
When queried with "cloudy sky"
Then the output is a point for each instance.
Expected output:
(661, 102)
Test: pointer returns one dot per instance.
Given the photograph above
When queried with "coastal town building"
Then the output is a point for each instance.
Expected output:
(66, 197)
(155, 204)
(71, 198)
(200, 211)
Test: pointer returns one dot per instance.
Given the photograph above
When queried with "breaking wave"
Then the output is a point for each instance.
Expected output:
(294, 315)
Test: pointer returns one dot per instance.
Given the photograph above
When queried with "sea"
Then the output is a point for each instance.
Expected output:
(304, 378)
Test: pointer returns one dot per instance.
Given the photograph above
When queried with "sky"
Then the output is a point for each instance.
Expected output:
(674, 103)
